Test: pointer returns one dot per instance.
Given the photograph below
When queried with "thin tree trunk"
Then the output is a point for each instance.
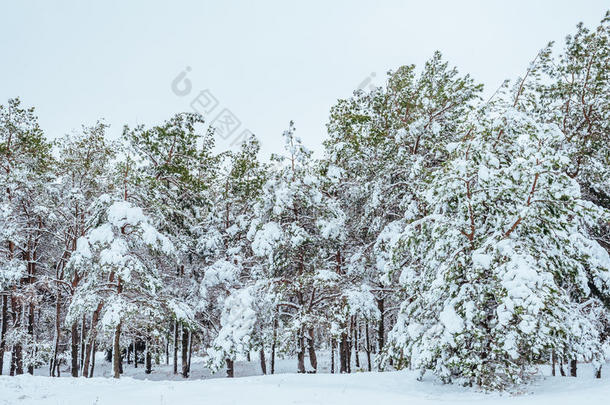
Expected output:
(116, 352)
(74, 349)
(332, 355)
(185, 347)
(54, 364)
(230, 371)
(90, 350)
(356, 349)
(176, 347)
(31, 333)
(561, 370)
(301, 352)
(3, 330)
(93, 359)
(135, 353)
(553, 361)
(148, 357)
(167, 348)
(83, 340)
(190, 351)
(273, 344)
(573, 368)
(313, 360)
(368, 346)
(598, 372)
(17, 352)
(343, 353)
(263, 361)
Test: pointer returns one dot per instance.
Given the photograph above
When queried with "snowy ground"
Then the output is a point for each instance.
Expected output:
(399, 387)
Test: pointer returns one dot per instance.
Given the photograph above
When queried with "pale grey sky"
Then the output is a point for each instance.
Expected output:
(268, 62)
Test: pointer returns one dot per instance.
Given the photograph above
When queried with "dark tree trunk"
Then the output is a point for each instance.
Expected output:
(135, 353)
(301, 352)
(368, 346)
(83, 340)
(313, 359)
(332, 355)
(273, 344)
(116, 352)
(573, 368)
(31, 333)
(381, 326)
(553, 361)
(190, 351)
(343, 353)
(167, 348)
(74, 350)
(230, 370)
(561, 370)
(90, 348)
(356, 330)
(54, 364)
(93, 359)
(176, 347)
(17, 352)
(598, 372)
(185, 349)
(148, 357)
(263, 361)
(3, 330)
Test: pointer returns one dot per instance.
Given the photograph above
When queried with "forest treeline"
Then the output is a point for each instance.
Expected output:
(439, 231)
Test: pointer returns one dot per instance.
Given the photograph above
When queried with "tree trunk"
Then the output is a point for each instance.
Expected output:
(83, 340)
(3, 330)
(343, 353)
(573, 368)
(74, 349)
(368, 346)
(381, 326)
(263, 361)
(176, 347)
(135, 353)
(332, 355)
(356, 330)
(31, 333)
(54, 364)
(167, 348)
(561, 370)
(148, 357)
(598, 372)
(190, 351)
(116, 352)
(553, 361)
(301, 352)
(91, 346)
(17, 352)
(93, 359)
(313, 360)
(230, 365)
(185, 347)
(273, 344)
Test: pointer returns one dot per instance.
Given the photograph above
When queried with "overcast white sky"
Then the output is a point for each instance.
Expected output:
(268, 62)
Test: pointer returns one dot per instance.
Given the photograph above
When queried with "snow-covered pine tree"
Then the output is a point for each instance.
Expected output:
(26, 171)
(230, 297)
(120, 258)
(383, 144)
(499, 270)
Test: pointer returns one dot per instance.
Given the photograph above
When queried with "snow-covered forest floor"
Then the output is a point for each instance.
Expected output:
(286, 387)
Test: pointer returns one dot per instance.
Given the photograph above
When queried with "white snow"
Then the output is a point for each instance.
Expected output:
(399, 387)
